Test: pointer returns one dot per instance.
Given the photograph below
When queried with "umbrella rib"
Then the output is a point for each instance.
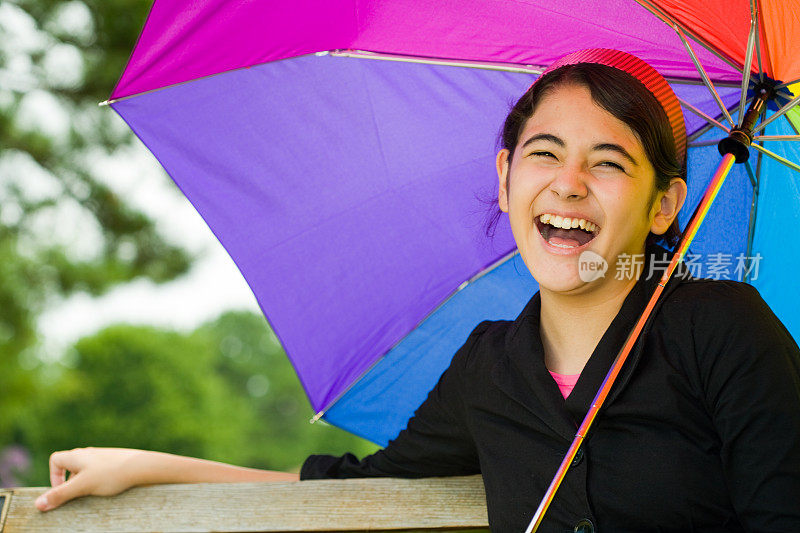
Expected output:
(176, 84)
(794, 127)
(685, 81)
(737, 108)
(667, 19)
(364, 54)
(776, 138)
(756, 182)
(751, 174)
(702, 131)
(751, 224)
(458, 289)
(700, 144)
(776, 157)
(698, 66)
(748, 61)
(754, 15)
(704, 75)
(786, 84)
(779, 113)
(756, 138)
(702, 115)
(507, 67)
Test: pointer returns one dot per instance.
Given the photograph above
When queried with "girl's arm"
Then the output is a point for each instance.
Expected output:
(436, 441)
(750, 367)
(109, 471)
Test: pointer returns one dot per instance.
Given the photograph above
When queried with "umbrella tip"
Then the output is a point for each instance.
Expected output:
(316, 417)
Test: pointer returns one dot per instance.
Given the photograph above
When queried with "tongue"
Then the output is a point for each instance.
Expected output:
(568, 237)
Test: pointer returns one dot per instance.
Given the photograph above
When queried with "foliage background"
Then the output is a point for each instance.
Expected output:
(224, 391)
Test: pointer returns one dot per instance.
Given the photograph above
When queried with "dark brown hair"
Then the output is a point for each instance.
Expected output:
(628, 100)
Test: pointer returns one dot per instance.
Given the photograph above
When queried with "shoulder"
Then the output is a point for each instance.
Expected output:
(707, 294)
(723, 304)
(725, 318)
(482, 347)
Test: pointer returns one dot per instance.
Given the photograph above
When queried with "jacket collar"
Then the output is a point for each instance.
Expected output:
(522, 374)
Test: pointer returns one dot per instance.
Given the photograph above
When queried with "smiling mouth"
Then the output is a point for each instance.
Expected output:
(566, 232)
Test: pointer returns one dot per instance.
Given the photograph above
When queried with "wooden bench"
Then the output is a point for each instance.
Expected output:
(380, 504)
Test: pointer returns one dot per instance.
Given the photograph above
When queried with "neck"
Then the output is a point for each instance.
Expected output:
(571, 325)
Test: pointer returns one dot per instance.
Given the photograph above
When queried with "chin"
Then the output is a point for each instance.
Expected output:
(563, 285)
(555, 274)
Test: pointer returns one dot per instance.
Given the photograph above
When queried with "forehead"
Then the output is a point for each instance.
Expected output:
(569, 112)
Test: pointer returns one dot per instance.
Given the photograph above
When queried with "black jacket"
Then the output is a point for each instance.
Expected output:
(701, 431)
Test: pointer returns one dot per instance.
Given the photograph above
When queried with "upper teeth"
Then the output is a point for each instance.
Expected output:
(567, 223)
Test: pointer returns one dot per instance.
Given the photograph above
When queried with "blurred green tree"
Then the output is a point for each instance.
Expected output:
(225, 392)
(58, 59)
(255, 366)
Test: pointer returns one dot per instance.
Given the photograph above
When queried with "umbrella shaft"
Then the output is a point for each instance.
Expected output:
(740, 138)
(691, 230)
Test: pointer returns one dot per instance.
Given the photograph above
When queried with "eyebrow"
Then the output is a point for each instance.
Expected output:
(544, 137)
(616, 148)
(612, 147)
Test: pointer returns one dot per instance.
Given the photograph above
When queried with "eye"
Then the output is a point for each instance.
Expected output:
(611, 164)
(541, 153)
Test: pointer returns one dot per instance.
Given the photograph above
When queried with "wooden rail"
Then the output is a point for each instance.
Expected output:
(382, 504)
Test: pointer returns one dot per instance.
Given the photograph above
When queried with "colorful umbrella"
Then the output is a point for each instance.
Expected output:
(341, 153)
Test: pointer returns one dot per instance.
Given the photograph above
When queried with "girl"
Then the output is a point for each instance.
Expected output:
(701, 431)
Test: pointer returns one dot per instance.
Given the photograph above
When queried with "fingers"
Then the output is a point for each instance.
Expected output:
(96, 471)
(63, 493)
(63, 490)
(58, 469)
(61, 462)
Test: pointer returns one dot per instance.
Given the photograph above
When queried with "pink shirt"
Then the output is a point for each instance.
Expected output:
(565, 382)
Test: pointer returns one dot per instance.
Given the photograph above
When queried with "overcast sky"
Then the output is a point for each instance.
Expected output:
(212, 286)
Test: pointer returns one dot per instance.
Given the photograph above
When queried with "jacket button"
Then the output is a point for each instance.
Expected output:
(578, 457)
(584, 526)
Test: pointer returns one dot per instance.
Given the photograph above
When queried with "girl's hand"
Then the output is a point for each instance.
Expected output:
(109, 471)
(93, 471)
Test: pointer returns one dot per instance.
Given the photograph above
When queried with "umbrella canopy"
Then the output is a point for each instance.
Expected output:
(349, 191)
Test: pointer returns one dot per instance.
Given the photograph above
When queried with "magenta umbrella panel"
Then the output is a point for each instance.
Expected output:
(353, 193)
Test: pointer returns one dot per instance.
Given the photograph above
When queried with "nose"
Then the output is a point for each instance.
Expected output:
(569, 183)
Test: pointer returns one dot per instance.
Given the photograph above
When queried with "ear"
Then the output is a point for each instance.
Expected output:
(667, 206)
(502, 175)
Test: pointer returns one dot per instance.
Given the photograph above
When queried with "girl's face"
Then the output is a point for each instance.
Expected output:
(575, 160)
